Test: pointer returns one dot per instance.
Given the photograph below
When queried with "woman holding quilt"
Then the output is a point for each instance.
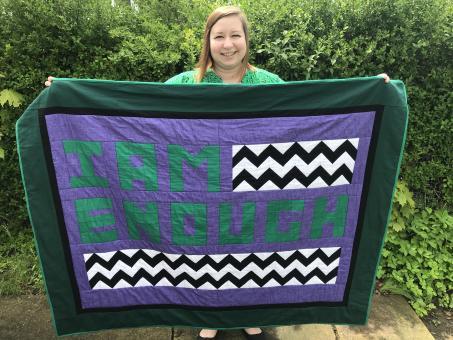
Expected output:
(224, 59)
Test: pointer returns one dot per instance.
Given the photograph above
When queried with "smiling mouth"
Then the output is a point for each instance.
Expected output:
(229, 54)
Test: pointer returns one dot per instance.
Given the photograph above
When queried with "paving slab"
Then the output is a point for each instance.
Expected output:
(297, 332)
(28, 317)
(301, 332)
(391, 317)
(191, 334)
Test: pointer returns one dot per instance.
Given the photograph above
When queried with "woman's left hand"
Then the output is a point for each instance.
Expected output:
(385, 76)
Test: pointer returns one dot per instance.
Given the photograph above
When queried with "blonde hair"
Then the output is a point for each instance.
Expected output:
(206, 60)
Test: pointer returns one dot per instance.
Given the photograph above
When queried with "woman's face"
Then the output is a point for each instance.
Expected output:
(227, 43)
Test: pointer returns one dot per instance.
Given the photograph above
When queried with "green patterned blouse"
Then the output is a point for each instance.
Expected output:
(258, 76)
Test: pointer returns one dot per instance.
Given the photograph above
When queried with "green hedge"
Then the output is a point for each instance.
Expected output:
(416, 260)
(298, 39)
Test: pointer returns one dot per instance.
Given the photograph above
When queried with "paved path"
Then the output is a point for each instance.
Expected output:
(28, 317)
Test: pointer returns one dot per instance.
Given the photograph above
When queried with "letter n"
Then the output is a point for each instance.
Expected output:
(145, 220)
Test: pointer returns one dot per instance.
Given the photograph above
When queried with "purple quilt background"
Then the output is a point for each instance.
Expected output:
(194, 134)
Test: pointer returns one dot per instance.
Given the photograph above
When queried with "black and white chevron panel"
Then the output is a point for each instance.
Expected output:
(144, 267)
(295, 165)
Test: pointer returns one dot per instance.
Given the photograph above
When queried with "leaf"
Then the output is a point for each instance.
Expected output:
(397, 226)
(12, 97)
(392, 287)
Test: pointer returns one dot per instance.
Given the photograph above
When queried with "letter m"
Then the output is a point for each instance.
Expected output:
(210, 154)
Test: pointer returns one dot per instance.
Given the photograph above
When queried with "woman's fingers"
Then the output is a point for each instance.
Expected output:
(385, 76)
(48, 82)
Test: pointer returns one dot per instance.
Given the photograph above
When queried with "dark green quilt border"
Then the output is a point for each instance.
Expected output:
(106, 95)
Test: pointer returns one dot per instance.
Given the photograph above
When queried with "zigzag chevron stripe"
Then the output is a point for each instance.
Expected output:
(297, 165)
(308, 151)
(294, 175)
(296, 162)
(143, 267)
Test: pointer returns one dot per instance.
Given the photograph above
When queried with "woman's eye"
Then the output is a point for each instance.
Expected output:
(218, 37)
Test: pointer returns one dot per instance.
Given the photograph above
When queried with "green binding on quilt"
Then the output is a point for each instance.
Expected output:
(142, 221)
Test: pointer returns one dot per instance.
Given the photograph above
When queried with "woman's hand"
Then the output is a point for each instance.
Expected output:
(48, 82)
(385, 76)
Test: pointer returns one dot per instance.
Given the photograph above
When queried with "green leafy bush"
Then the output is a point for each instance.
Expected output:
(19, 267)
(416, 259)
(13, 212)
(410, 40)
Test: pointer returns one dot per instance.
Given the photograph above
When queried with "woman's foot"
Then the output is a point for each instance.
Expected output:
(252, 331)
(254, 334)
(208, 333)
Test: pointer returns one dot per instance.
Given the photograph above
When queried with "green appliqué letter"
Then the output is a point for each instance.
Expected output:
(177, 154)
(85, 150)
(147, 220)
(248, 222)
(88, 222)
(274, 208)
(337, 217)
(198, 212)
(147, 172)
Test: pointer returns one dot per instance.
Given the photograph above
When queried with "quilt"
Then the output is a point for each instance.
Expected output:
(215, 206)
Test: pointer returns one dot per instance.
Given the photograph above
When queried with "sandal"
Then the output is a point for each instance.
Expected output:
(199, 337)
(259, 336)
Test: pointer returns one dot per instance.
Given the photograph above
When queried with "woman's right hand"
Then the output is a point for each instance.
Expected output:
(48, 82)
